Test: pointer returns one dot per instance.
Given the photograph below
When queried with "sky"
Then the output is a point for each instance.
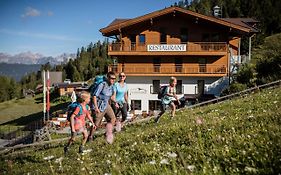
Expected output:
(53, 27)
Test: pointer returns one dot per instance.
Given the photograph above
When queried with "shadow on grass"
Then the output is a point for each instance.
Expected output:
(38, 100)
(25, 120)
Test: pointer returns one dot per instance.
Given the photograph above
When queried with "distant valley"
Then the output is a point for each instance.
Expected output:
(17, 71)
(16, 66)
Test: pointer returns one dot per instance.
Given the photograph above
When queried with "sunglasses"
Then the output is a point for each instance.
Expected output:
(112, 78)
(122, 76)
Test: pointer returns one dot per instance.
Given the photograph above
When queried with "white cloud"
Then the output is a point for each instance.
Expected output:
(31, 12)
(38, 35)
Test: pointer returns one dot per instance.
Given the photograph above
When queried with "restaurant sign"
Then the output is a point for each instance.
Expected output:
(166, 47)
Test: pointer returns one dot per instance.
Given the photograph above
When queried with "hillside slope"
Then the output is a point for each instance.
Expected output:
(240, 136)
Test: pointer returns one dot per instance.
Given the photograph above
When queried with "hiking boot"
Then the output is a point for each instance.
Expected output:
(81, 149)
(66, 149)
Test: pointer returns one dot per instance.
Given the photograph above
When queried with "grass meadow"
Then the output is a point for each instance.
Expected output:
(239, 136)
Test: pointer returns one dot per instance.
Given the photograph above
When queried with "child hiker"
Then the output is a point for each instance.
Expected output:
(77, 121)
(168, 99)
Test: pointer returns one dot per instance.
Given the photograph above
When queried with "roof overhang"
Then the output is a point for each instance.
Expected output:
(116, 26)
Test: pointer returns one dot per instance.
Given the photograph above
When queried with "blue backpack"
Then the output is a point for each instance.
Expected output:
(98, 80)
(71, 108)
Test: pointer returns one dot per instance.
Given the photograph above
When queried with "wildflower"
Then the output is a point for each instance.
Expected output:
(275, 102)
(251, 169)
(172, 155)
(153, 162)
(191, 168)
(48, 157)
(59, 160)
(164, 161)
(251, 116)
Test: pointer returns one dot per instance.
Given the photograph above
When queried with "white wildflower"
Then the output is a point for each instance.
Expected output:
(164, 161)
(107, 174)
(59, 160)
(275, 102)
(251, 169)
(108, 161)
(153, 162)
(191, 168)
(251, 116)
(87, 150)
(172, 155)
(48, 157)
(83, 169)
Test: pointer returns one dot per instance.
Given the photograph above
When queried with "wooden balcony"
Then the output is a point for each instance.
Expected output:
(189, 48)
(162, 70)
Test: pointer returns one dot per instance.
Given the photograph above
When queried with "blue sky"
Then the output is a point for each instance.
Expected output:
(52, 27)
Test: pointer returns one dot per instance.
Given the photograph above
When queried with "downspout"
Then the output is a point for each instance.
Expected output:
(250, 46)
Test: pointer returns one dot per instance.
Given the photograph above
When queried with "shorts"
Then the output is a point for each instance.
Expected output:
(107, 113)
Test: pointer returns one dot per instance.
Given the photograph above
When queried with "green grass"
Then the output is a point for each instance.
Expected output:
(241, 136)
(14, 109)
(15, 114)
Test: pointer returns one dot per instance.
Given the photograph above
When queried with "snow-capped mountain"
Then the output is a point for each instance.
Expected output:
(35, 58)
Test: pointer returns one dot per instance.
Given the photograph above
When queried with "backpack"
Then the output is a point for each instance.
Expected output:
(98, 80)
(161, 92)
(71, 108)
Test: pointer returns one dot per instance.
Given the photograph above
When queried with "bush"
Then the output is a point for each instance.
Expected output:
(235, 87)
(245, 75)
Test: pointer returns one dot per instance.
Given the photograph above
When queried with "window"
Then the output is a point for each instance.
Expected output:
(133, 38)
(184, 35)
(202, 64)
(200, 86)
(133, 42)
(136, 104)
(156, 64)
(163, 36)
(178, 65)
(205, 37)
(179, 87)
(155, 86)
(142, 39)
(154, 105)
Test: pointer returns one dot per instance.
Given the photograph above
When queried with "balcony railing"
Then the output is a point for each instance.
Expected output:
(163, 69)
(188, 47)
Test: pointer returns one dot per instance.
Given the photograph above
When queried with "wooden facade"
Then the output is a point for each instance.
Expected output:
(206, 41)
(195, 48)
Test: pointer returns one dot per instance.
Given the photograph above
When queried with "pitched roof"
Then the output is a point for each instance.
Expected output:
(121, 23)
(245, 22)
(117, 21)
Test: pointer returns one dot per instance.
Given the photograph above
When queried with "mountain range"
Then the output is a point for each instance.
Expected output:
(35, 58)
(16, 66)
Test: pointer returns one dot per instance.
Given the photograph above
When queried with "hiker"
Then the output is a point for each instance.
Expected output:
(168, 99)
(101, 107)
(120, 100)
(77, 120)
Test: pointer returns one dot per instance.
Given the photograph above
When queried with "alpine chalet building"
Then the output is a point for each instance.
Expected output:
(198, 50)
